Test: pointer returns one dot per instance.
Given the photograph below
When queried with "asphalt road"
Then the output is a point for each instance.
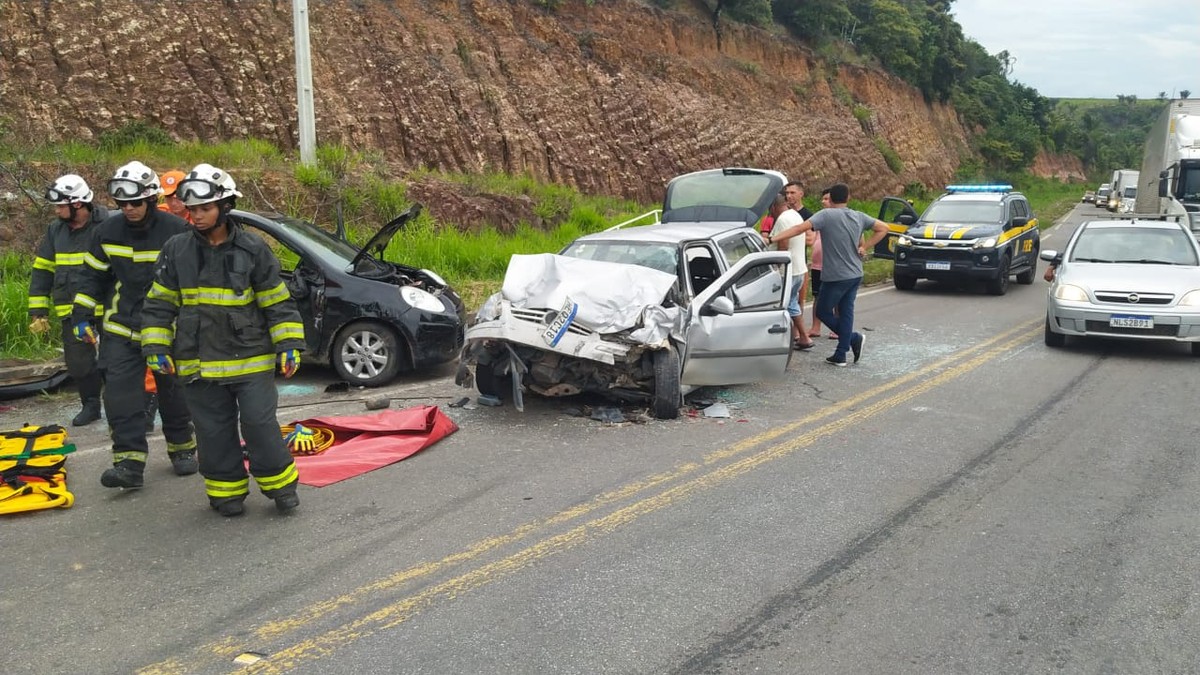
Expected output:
(964, 500)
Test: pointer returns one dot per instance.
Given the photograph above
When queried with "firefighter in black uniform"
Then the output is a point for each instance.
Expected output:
(120, 265)
(57, 266)
(219, 316)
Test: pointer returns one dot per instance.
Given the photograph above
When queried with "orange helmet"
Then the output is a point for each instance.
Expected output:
(170, 180)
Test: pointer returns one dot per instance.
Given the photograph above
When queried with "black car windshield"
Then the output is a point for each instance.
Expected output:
(661, 257)
(1134, 245)
(331, 250)
(963, 212)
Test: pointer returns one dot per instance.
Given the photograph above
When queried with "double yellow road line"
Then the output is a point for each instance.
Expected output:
(650, 494)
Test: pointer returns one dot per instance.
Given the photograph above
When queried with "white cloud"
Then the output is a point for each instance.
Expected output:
(1092, 49)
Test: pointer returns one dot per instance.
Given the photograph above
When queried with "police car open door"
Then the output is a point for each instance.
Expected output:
(898, 214)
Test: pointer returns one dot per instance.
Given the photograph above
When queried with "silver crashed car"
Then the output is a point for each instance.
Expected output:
(644, 313)
(1128, 279)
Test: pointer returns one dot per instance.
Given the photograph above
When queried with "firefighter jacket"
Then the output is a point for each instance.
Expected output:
(121, 261)
(58, 264)
(222, 312)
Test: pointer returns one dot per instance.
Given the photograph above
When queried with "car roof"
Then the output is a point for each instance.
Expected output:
(987, 197)
(1133, 222)
(670, 233)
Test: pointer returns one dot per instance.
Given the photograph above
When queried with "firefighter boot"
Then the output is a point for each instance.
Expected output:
(90, 413)
(184, 462)
(287, 502)
(123, 475)
(229, 507)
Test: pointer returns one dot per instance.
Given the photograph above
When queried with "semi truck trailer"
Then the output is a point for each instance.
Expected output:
(1170, 175)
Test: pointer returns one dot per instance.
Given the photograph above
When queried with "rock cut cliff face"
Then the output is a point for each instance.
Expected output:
(614, 98)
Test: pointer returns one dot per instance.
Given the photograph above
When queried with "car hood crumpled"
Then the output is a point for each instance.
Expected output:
(611, 297)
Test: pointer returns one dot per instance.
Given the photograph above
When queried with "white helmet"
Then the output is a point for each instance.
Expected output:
(206, 183)
(134, 181)
(68, 189)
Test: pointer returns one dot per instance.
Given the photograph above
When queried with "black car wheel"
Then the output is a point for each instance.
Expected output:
(1196, 349)
(667, 392)
(904, 282)
(1025, 278)
(367, 353)
(1059, 340)
(999, 285)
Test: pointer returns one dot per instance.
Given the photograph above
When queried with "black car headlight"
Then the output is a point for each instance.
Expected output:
(422, 300)
(989, 242)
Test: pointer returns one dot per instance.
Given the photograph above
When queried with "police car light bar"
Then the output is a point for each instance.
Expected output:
(979, 188)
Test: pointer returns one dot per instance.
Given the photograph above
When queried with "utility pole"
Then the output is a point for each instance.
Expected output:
(304, 88)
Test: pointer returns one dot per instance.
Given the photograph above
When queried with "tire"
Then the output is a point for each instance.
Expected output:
(1059, 340)
(999, 285)
(367, 353)
(1196, 349)
(1028, 276)
(904, 282)
(489, 383)
(667, 393)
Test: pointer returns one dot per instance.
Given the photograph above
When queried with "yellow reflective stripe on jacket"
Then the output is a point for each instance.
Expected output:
(115, 328)
(119, 251)
(85, 300)
(154, 335)
(43, 264)
(222, 297)
(272, 297)
(39, 302)
(160, 292)
(94, 262)
(226, 488)
(282, 479)
(68, 259)
(288, 330)
(223, 369)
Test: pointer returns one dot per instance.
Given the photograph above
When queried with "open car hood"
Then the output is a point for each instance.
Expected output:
(379, 242)
(721, 195)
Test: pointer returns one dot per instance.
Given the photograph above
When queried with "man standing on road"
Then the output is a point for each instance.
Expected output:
(120, 266)
(220, 316)
(786, 217)
(843, 250)
(794, 192)
(57, 267)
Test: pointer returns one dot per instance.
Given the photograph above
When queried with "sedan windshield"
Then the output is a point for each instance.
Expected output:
(1155, 246)
(963, 212)
(329, 248)
(661, 257)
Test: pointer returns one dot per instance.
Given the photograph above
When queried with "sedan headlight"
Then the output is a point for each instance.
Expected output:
(421, 299)
(1190, 299)
(434, 277)
(990, 242)
(1070, 292)
(904, 240)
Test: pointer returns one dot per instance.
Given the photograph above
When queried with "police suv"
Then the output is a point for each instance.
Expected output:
(971, 233)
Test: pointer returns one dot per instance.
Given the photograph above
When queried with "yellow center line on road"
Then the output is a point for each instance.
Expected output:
(400, 611)
(226, 648)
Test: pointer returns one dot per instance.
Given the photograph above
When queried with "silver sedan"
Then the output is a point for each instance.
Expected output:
(1127, 279)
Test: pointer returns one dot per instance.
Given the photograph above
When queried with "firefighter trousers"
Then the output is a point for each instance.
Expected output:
(217, 409)
(124, 370)
(81, 363)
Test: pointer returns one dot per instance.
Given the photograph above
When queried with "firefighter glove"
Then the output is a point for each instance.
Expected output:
(84, 332)
(302, 440)
(161, 363)
(39, 325)
(289, 362)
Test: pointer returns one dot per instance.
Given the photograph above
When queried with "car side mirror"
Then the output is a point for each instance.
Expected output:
(720, 305)
(906, 219)
(1020, 221)
(1049, 255)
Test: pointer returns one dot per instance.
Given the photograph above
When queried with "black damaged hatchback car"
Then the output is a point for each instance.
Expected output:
(368, 318)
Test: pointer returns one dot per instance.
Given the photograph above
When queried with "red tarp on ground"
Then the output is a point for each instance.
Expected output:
(364, 443)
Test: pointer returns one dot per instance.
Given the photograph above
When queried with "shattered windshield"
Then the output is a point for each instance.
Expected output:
(661, 257)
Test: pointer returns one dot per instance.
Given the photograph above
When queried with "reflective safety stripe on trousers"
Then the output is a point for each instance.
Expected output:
(226, 488)
(280, 480)
(216, 370)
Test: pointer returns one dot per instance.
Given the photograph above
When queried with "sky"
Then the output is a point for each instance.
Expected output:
(1091, 48)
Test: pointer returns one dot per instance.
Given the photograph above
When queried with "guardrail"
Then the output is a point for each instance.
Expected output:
(657, 213)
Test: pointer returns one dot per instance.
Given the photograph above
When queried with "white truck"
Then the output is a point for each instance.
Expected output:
(1171, 164)
(1124, 191)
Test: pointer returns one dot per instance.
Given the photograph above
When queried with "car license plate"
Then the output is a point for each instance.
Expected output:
(1131, 321)
(938, 265)
(558, 327)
